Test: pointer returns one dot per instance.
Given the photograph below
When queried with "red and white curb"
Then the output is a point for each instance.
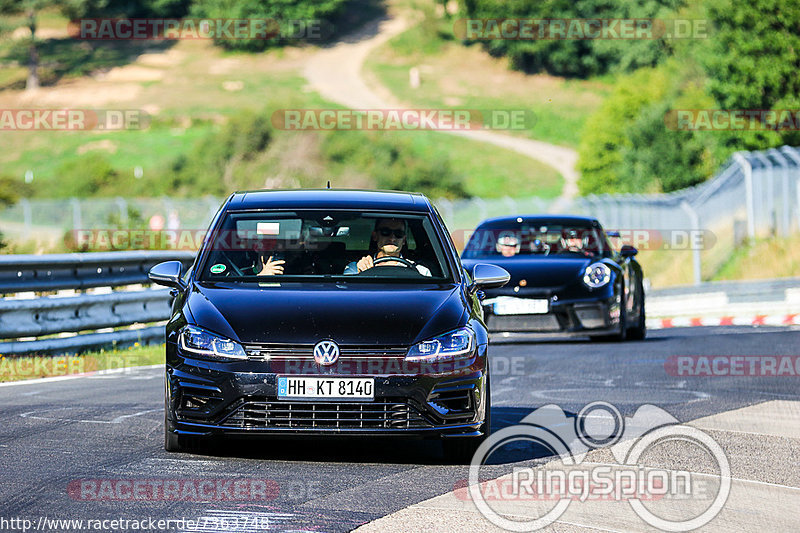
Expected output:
(743, 320)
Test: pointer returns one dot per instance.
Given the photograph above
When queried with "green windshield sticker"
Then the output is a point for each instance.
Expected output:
(217, 269)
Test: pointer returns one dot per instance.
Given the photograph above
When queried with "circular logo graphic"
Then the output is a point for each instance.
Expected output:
(326, 353)
(219, 268)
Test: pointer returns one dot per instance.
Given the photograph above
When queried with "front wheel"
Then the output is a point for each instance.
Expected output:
(639, 332)
(172, 441)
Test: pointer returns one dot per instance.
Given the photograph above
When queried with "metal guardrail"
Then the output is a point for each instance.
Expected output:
(20, 273)
(770, 296)
(47, 315)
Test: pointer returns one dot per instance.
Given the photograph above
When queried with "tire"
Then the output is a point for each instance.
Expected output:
(172, 442)
(639, 332)
(460, 450)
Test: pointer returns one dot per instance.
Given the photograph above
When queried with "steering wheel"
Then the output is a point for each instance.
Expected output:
(402, 260)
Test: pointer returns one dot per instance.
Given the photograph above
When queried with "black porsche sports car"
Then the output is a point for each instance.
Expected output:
(565, 278)
(327, 312)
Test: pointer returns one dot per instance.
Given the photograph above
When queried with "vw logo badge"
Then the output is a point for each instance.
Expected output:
(326, 353)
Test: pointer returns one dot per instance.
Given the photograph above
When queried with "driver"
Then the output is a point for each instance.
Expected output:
(389, 236)
(573, 242)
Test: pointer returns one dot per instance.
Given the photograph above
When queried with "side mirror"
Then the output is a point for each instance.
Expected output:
(485, 276)
(167, 273)
(628, 251)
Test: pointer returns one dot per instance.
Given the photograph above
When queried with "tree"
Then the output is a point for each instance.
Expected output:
(280, 11)
(752, 62)
(29, 8)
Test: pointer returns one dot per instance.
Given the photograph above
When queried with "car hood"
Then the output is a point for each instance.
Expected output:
(302, 313)
(540, 272)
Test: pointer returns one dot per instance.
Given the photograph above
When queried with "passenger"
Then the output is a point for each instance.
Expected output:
(508, 244)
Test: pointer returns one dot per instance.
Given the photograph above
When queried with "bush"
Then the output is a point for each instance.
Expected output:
(393, 163)
(210, 165)
(88, 175)
(626, 145)
(10, 190)
(282, 11)
(575, 58)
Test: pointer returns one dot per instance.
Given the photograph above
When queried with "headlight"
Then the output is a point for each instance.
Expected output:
(456, 344)
(201, 342)
(597, 275)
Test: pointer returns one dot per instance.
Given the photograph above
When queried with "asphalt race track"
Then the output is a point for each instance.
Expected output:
(55, 435)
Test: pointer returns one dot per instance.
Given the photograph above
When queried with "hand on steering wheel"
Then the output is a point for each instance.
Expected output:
(367, 262)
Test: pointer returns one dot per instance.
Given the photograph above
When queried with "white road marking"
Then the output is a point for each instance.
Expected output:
(706, 474)
(117, 420)
(548, 394)
(38, 381)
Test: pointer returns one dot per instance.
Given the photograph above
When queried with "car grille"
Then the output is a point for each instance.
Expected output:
(325, 415)
(305, 352)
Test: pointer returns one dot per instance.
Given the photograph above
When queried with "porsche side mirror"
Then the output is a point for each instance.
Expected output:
(486, 276)
(628, 251)
(168, 274)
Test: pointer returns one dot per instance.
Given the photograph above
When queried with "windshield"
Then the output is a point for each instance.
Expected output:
(537, 239)
(325, 245)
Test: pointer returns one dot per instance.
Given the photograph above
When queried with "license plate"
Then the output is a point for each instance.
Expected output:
(519, 306)
(314, 387)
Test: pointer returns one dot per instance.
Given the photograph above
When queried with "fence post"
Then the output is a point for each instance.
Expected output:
(747, 168)
(123, 210)
(695, 226)
(767, 176)
(789, 151)
(782, 161)
(27, 217)
(76, 214)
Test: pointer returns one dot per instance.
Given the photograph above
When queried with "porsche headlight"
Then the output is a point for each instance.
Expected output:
(200, 342)
(456, 344)
(596, 275)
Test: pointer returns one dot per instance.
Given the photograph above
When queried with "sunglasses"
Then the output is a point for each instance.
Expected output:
(398, 233)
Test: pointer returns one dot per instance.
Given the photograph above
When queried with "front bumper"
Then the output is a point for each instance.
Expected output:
(240, 398)
(568, 318)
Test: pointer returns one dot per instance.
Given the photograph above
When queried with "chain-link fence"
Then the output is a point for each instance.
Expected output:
(754, 194)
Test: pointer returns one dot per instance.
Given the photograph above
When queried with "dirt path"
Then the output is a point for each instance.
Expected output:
(335, 73)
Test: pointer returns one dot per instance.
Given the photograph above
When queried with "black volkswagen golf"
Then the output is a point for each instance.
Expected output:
(327, 312)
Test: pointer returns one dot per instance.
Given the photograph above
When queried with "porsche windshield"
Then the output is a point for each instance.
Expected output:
(536, 239)
(303, 245)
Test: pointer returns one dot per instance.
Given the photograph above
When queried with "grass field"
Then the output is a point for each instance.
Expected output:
(189, 89)
(456, 76)
(21, 368)
(776, 257)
